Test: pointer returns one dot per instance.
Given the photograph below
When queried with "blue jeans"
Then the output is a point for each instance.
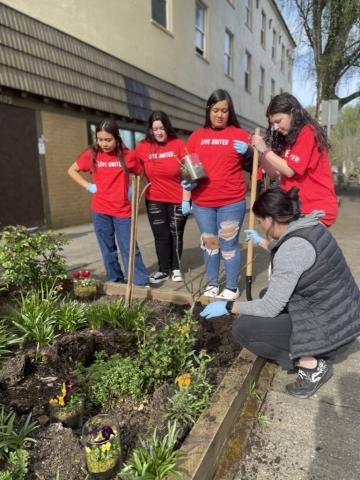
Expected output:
(220, 229)
(106, 229)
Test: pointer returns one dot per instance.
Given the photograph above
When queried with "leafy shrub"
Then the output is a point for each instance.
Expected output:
(155, 459)
(7, 339)
(165, 352)
(115, 314)
(31, 259)
(35, 315)
(17, 466)
(71, 316)
(111, 378)
(10, 440)
(194, 392)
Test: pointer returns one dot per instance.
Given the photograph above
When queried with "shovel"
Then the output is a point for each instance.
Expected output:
(250, 246)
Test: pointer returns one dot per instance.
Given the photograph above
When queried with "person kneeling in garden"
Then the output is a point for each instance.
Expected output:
(311, 309)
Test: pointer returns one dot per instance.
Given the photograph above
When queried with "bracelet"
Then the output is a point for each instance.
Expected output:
(266, 151)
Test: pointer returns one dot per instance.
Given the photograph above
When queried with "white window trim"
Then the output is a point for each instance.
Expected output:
(248, 64)
(230, 55)
(204, 54)
(169, 24)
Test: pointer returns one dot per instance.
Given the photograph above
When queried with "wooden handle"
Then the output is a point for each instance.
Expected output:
(134, 216)
(250, 247)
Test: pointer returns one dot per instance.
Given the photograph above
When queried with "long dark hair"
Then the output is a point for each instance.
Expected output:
(218, 96)
(287, 103)
(282, 206)
(109, 125)
(165, 120)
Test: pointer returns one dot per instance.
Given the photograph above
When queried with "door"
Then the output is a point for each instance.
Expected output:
(21, 201)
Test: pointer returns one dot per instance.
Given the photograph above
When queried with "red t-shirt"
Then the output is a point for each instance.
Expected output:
(112, 183)
(162, 169)
(225, 182)
(312, 176)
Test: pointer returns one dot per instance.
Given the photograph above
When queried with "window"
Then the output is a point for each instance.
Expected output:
(263, 29)
(228, 53)
(290, 64)
(273, 49)
(200, 19)
(272, 88)
(248, 13)
(247, 70)
(282, 65)
(262, 85)
(159, 12)
(129, 137)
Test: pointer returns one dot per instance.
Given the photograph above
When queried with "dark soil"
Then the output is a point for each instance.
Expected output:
(26, 386)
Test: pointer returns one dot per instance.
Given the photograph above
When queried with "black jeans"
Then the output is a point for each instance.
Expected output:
(167, 224)
(266, 337)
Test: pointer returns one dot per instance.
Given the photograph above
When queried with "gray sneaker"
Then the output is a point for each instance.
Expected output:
(309, 381)
(158, 277)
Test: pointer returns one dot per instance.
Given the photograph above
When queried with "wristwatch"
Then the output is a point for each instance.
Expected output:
(229, 306)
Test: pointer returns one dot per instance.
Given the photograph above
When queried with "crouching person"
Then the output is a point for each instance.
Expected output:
(311, 309)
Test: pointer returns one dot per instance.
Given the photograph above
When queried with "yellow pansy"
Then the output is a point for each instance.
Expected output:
(184, 329)
(106, 447)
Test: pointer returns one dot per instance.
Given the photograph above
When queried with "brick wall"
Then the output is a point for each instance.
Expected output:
(69, 204)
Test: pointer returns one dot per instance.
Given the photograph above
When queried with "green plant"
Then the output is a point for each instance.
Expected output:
(252, 391)
(194, 391)
(17, 466)
(7, 339)
(155, 459)
(262, 419)
(71, 316)
(30, 259)
(108, 379)
(115, 314)
(10, 440)
(35, 315)
(165, 352)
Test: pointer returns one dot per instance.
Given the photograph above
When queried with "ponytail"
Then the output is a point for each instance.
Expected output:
(282, 206)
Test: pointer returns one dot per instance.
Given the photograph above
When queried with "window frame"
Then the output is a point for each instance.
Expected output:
(272, 88)
(229, 56)
(249, 14)
(167, 16)
(201, 51)
(263, 29)
(262, 85)
(282, 58)
(273, 46)
(247, 71)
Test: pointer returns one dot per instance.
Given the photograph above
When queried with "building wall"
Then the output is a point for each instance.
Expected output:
(68, 203)
(125, 29)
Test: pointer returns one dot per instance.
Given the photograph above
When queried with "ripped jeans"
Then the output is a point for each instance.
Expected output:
(220, 229)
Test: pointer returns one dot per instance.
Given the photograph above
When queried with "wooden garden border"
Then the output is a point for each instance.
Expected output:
(207, 440)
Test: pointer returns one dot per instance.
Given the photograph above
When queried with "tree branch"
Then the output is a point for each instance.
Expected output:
(343, 101)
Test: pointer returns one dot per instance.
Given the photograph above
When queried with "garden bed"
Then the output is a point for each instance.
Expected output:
(27, 384)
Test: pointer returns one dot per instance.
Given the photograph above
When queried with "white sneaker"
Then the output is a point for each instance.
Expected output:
(158, 277)
(211, 291)
(227, 294)
(176, 276)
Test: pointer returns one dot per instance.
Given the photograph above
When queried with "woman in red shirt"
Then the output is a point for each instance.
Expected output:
(167, 203)
(298, 152)
(109, 163)
(219, 200)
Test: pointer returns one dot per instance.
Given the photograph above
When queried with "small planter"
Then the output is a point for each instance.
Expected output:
(192, 169)
(71, 416)
(101, 439)
(85, 291)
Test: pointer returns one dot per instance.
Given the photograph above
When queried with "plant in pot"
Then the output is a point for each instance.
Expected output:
(68, 407)
(101, 438)
(191, 168)
(84, 286)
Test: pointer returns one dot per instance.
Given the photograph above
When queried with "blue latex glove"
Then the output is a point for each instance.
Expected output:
(91, 188)
(214, 309)
(129, 193)
(185, 207)
(240, 146)
(188, 186)
(253, 236)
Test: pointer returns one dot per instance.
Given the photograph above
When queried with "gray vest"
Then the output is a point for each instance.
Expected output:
(325, 305)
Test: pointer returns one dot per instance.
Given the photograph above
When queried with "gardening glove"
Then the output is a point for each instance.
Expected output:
(214, 309)
(188, 186)
(253, 236)
(91, 187)
(129, 193)
(240, 146)
(185, 207)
